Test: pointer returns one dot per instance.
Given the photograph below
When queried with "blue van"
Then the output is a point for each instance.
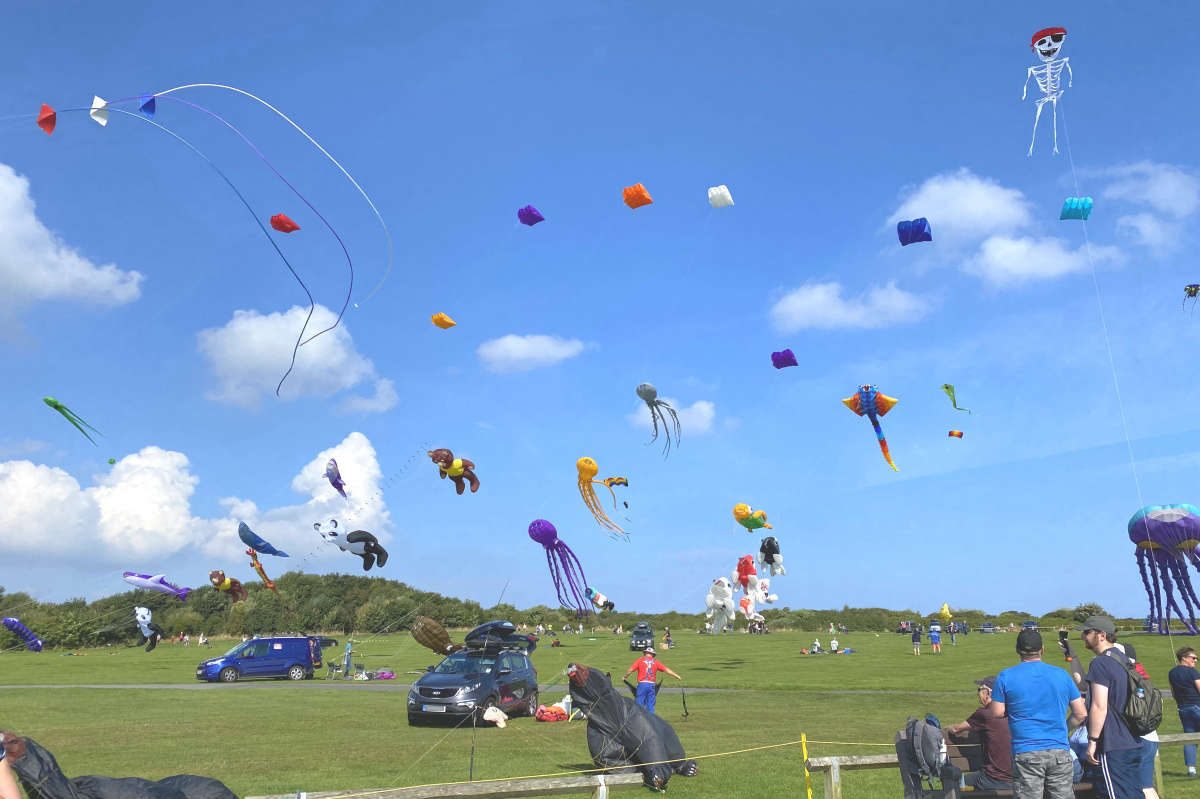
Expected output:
(295, 658)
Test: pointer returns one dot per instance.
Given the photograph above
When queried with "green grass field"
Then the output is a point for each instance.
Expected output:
(279, 737)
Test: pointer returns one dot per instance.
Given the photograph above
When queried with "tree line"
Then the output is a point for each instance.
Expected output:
(348, 604)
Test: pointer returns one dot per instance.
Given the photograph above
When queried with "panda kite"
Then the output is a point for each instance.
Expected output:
(358, 542)
(150, 631)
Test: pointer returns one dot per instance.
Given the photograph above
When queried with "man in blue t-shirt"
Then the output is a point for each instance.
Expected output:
(1035, 697)
(1110, 744)
(1185, 687)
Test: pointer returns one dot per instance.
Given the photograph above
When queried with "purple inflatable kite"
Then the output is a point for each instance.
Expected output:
(530, 216)
(569, 581)
(784, 359)
(334, 476)
(32, 642)
(1167, 537)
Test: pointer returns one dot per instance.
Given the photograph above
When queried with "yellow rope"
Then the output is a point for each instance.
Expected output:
(638, 765)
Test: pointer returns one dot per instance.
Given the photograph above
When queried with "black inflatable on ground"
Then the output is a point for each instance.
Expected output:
(41, 778)
(619, 733)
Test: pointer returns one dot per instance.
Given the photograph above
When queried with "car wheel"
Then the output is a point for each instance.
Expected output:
(531, 705)
(228, 674)
(296, 673)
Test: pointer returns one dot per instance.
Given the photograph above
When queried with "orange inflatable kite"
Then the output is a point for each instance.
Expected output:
(636, 196)
(442, 321)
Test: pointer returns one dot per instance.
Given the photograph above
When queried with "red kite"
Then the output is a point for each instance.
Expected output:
(47, 118)
(284, 225)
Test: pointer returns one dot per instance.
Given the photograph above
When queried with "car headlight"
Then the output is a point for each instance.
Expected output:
(471, 688)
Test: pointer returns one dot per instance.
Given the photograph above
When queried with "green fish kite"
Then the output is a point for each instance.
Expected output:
(71, 417)
(949, 389)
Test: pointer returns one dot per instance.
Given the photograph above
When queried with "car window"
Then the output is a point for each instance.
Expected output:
(466, 663)
(256, 649)
(506, 661)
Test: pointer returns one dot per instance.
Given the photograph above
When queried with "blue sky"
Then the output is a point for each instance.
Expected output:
(827, 124)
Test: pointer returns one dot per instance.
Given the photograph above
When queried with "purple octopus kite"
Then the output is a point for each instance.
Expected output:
(1167, 537)
(334, 476)
(565, 568)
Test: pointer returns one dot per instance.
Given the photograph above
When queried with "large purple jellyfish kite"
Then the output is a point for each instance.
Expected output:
(569, 581)
(1167, 537)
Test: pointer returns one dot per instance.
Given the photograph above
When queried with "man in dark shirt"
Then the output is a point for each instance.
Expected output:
(1185, 687)
(995, 741)
(1110, 744)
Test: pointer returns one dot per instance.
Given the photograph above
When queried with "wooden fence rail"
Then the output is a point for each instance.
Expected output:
(834, 766)
(598, 785)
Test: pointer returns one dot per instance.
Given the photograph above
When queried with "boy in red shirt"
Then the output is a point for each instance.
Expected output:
(647, 667)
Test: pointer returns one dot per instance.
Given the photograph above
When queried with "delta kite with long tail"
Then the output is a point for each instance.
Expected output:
(869, 402)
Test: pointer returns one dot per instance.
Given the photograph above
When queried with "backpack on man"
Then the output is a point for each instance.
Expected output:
(1143, 708)
(924, 768)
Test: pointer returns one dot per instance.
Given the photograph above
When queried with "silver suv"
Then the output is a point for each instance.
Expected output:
(492, 671)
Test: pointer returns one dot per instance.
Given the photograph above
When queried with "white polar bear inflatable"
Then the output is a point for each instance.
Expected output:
(719, 602)
(762, 592)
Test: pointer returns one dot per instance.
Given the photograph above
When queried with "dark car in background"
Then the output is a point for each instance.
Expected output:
(1029, 624)
(987, 627)
(641, 637)
(493, 670)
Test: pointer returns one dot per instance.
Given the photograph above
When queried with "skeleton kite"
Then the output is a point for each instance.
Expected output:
(1046, 45)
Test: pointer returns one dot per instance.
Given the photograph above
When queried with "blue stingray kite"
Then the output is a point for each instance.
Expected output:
(867, 401)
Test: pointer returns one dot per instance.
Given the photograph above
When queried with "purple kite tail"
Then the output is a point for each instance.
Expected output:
(295, 191)
(257, 221)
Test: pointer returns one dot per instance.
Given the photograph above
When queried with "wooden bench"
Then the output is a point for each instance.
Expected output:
(594, 784)
(832, 767)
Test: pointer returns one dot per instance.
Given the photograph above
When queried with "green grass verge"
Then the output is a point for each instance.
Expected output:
(279, 737)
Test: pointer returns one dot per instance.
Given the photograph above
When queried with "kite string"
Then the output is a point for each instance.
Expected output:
(387, 234)
(1112, 365)
(295, 191)
(257, 221)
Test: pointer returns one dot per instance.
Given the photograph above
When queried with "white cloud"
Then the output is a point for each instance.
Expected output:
(36, 265)
(513, 353)
(695, 419)
(1165, 188)
(1005, 261)
(140, 510)
(251, 352)
(384, 400)
(962, 207)
(1155, 234)
(821, 305)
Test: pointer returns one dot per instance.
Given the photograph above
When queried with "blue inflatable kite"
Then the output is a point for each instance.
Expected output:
(1076, 208)
(257, 542)
(911, 232)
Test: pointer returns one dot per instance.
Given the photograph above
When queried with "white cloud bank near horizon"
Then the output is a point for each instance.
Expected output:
(140, 509)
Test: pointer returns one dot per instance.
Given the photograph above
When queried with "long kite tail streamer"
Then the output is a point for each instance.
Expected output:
(386, 233)
(257, 220)
(887, 456)
(295, 191)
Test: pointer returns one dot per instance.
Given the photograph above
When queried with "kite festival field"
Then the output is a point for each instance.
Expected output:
(125, 712)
